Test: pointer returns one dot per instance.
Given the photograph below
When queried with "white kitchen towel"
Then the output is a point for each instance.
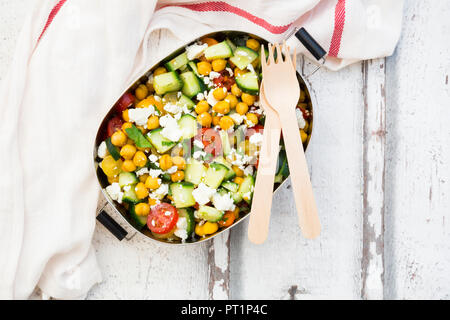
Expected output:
(73, 59)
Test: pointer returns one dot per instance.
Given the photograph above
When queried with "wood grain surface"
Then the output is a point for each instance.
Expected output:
(379, 160)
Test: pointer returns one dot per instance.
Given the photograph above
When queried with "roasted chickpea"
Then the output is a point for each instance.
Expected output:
(125, 115)
(238, 180)
(119, 138)
(204, 68)
(248, 98)
(226, 122)
(239, 172)
(216, 120)
(111, 180)
(253, 44)
(210, 227)
(141, 191)
(177, 176)
(253, 118)
(140, 159)
(152, 183)
(141, 92)
(128, 166)
(151, 202)
(142, 209)
(235, 90)
(155, 101)
(144, 103)
(179, 162)
(165, 162)
(110, 166)
(143, 178)
(303, 135)
(222, 107)
(204, 119)
(152, 122)
(220, 93)
(232, 100)
(241, 108)
(219, 65)
(202, 106)
(209, 41)
(199, 230)
(238, 72)
(128, 151)
(159, 71)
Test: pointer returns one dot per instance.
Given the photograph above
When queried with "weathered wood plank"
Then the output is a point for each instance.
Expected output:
(417, 237)
(219, 267)
(287, 266)
(372, 268)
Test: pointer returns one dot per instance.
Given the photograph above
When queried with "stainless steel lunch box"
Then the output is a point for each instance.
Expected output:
(130, 228)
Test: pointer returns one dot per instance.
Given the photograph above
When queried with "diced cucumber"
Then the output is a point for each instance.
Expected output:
(141, 221)
(282, 167)
(182, 101)
(248, 82)
(230, 172)
(194, 172)
(188, 126)
(225, 139)
(129, 195)
(127, 178)
(112, 149)
(246, 188)
(218, 51)
(230, 186)
(236, 197)
(215, 175)
(192, 85)
(182, 194)
(167, 82)
(243, 56)
(210, 214)
(188, 213)
(185, 101)
(231, 44)
(193, 67)
(161, 143)
(177, 62)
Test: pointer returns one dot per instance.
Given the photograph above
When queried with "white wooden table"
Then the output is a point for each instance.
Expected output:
(380, 166)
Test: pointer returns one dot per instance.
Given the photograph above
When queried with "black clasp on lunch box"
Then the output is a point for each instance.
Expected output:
(113, 227)
(310, 44)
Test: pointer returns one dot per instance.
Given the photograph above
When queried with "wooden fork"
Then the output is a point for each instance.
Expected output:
(282, 91)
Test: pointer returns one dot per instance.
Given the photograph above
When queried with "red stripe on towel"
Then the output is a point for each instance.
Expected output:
(222, 6)
(51, 16)
(339, 21)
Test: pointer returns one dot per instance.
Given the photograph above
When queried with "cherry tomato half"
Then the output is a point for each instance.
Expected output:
(125, 101)
(224, 80)
(114, 125)
(211, 141)
(256, 129)
(162, 218)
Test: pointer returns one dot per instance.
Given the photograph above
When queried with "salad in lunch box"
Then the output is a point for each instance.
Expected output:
(181, 150)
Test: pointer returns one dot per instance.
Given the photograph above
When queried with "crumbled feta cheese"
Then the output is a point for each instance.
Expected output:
(140, 115)
(150, 78)
(203, 193)
(180, 231)
(250, 67)
(247, 196)
(127, 188)
(256, 138)
(102, 151)
(200, 96)
(194, 51)
(249, 123)
(248, 171)
(172, 108)
(213, 75)
(141, 171)
(170, 130)
(198, 144)
(162, 190)
(206, 80)
(300, 120)
(237, 118)
(154, 173)
(223, 202)
(229, 71)
(198, 154)
(153, 158)
(172, 169)
(114, 192)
